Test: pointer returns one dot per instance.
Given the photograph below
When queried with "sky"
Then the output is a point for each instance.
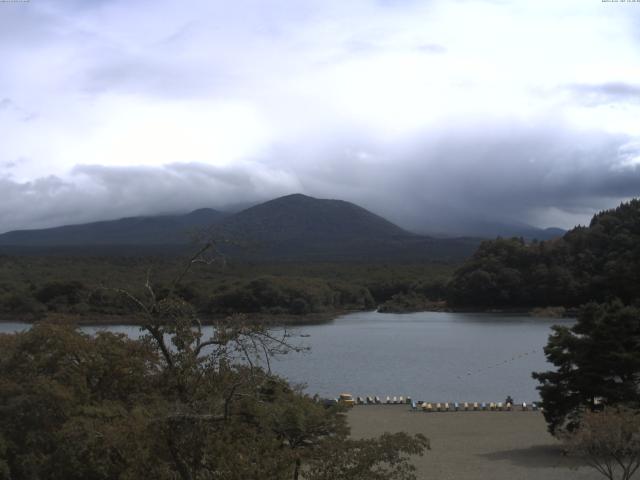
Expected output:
(433, 113)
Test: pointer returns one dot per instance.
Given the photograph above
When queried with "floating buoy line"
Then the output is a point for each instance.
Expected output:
(498, 365)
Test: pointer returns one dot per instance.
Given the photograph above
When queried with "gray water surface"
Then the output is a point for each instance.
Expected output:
(432, 356)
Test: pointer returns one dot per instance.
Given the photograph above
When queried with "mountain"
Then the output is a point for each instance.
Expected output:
(159, 230)
(301, 227)
(299, 218)
(477, 227)
(294, 227)
(507, 230)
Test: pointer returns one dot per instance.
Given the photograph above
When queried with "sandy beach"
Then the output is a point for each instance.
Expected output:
(475, 445)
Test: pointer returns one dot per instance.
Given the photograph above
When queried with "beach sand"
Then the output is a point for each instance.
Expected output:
(475, 445)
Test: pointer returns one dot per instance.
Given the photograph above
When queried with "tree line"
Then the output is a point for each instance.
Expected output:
(34, 288)
(599, 262)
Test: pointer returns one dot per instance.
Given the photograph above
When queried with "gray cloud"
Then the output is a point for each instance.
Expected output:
(432, 48)
(9, 106)
(99, 193)
(14, 163)
(494, 173)
(604, 93)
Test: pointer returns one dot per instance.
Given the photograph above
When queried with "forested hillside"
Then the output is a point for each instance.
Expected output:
(597, 262)
(86, 288)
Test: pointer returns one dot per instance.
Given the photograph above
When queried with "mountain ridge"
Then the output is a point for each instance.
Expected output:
(291, 227)
(154, 230)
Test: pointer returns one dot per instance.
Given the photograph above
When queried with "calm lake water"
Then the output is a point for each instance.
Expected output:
(432, 356)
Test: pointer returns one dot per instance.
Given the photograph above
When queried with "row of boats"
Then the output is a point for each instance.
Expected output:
(348, 400)
(475, 406)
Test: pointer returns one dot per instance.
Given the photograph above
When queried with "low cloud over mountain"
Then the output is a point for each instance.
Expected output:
(435, 114)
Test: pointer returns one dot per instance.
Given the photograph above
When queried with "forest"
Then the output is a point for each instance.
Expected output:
(598, 262)
(86, 289)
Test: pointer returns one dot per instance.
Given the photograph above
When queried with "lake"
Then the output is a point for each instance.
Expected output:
(433, 356)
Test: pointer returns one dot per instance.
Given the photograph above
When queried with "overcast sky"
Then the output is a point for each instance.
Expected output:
(429, 112)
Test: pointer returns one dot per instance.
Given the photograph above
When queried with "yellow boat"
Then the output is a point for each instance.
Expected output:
(346, 399)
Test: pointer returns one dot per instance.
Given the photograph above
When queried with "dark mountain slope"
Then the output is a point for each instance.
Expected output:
(303, 218)
(302, 227)
(160, 230)
(294, 227)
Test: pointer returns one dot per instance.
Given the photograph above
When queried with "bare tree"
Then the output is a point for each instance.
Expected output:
(609, 440)
(169, 319)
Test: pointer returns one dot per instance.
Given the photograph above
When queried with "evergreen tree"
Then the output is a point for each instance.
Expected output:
(597, 364)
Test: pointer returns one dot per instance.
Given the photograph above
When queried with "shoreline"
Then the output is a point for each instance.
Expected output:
(546, 312)
(275, 320)
(132, 320)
